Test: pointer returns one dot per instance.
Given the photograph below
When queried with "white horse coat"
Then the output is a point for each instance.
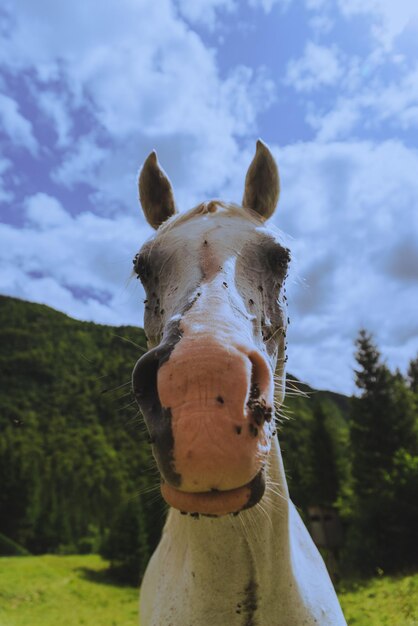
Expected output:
(260, 568)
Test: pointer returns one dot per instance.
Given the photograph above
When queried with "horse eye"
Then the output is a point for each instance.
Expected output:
(278, 259)
(141, 267)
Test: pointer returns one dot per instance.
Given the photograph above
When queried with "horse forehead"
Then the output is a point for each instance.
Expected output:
(223, 234)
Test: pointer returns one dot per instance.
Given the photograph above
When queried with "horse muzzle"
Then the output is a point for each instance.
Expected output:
(208, 408)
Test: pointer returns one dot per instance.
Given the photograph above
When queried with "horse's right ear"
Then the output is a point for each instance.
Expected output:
(155, 192)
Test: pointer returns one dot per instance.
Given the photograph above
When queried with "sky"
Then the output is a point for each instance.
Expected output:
(89, 88)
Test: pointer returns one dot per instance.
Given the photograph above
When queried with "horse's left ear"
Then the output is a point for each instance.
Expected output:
(262, 183)
(155, 192)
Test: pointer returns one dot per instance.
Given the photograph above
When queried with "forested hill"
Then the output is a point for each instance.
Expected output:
(73, 449)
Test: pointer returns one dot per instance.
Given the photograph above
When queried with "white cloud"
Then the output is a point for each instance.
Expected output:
(267, 5)
(144, 69)
(55, 256)
(206, 12)
(5, 194)
(389, 19)
(396, 100)
(401, 261)
(392, 102)
(351, 208)
(338, 123)
(57, 110)
(15, 125)
(321, 24)
(81, 163)
(196, 143)
(147, 81)
(209, 13)
(316, 5)
(375, 89)
(45, 211)
(319, 66)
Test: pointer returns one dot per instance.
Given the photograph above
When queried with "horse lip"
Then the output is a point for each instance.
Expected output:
(216, 502)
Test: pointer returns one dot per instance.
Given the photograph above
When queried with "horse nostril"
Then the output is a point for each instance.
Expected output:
(259, 387)
(144, 380)
(260, 375)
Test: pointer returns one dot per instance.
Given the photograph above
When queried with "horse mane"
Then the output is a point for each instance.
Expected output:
(212, 206)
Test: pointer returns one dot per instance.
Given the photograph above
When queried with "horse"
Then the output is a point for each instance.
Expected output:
(234, 550)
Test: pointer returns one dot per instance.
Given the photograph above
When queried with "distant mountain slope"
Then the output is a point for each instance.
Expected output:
(71, 452)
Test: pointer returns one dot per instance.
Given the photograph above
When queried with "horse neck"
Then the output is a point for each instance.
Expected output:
(261, 561)
(251, 542)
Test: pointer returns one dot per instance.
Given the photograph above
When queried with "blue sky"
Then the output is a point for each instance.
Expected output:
(88, 88)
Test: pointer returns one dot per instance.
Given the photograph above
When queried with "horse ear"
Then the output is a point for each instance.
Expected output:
(155, 192)
(262, 183)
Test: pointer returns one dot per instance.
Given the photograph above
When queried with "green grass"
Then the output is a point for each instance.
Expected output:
(385, 601)
(73, 590)
(63, 591)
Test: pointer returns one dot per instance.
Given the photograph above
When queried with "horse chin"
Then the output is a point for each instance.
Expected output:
(216, 503)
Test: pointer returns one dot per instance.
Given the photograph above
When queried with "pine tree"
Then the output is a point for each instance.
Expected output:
(413, 375)
(324, 472)
(382, 419)
(369, 359)
(126, 545)
(382, 436)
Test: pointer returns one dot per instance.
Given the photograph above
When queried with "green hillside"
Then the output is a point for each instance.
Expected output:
(72, 447)
(73, 450)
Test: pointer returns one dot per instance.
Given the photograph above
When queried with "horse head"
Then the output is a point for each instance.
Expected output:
(215, 321)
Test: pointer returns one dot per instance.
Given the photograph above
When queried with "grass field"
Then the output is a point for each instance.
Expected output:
(384, 601)
(73, 590)
(63, 591)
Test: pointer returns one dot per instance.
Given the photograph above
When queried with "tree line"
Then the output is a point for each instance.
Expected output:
(367, 467)
(382, 499)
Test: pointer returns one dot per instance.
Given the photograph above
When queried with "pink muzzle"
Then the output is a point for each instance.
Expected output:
(219, 398)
